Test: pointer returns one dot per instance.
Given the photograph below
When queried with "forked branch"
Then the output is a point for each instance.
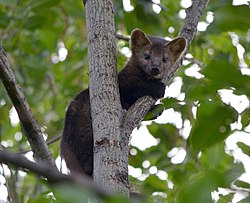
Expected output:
(137, 112)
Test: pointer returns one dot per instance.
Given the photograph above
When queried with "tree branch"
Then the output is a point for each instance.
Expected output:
(194, 61)
(188, 31)
(133, 116)
(54, 176)
(28, 122)
(136, 113)
(122, 37)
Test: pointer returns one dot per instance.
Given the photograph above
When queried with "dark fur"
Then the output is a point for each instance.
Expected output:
(140, 77)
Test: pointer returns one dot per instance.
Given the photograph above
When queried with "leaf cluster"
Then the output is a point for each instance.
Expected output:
(34, 33)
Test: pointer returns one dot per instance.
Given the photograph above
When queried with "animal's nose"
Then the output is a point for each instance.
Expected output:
(155, 70)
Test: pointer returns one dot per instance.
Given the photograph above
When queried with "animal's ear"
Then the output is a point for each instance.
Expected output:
(176, 47)
(138, 39)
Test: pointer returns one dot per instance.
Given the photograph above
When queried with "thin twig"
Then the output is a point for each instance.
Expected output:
(54, 139)
(164, 8)
(122, 37)
(195, 61)
(49, 142)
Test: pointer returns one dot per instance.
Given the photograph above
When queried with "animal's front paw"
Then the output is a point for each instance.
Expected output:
(159, 91)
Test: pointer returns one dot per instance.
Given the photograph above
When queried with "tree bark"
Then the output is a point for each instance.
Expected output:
(110, 150)
(111, 126)
(29, 125)
(51, 173)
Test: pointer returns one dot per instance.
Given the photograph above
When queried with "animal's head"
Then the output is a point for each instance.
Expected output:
(155, 55)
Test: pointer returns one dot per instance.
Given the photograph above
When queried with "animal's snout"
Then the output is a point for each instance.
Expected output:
(155, 70)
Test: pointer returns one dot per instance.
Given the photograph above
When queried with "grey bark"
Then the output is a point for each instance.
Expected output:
(110, 150)
(29, 125)
(52, 174)
(111, 126)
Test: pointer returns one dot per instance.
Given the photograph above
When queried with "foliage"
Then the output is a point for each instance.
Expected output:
(35, 33)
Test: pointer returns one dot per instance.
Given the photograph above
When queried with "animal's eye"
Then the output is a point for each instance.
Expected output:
(164, 60)
(146, 57)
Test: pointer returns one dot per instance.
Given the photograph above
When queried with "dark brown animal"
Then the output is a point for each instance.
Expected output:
(141, 76)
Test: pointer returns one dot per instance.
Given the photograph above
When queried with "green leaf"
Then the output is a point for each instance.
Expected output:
(246, 200)
(234, 171)
(201, 91)
(4, 20)
(167, 133)
(198, 187)
(43, 4)
(156, 183)
(245, 148)
(229, 18)
(226, 75)
(222, 46)
(154, 112)
(48, 38)
(34, 22)
(70, 193)
(242, 184)
(212, 125)
(226, 198)
(42, 199)
(120, 199)
(245, 120)
(31, 30)
(171, 103)
(215, 157)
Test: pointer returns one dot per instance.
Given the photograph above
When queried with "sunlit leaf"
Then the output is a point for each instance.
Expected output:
(212, 125)
(242, 184)
(32, 32)
(226, 75)
(245, 148)
(226, 198)
(198, 188)
(229, 18)
(154, 181)
(154, 112)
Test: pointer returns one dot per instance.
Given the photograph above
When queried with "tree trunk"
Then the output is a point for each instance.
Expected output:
(111, 126)
(110, 153)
